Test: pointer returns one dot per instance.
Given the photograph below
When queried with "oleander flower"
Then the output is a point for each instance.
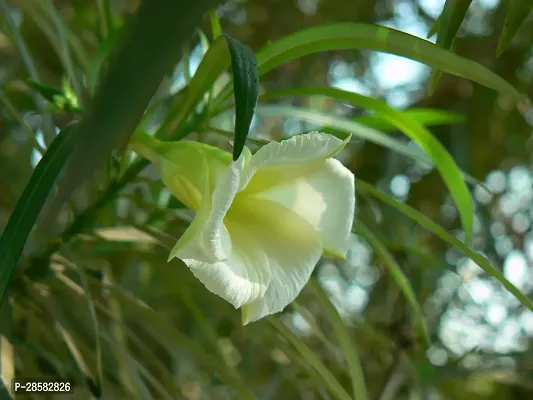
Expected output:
(263, 221)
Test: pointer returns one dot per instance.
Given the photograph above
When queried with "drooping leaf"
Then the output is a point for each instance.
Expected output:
(379, 38)
(452, 17)
(517, 13)
(245, 90)
(361, 36)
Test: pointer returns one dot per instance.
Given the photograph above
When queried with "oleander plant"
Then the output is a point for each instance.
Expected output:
(261, 199)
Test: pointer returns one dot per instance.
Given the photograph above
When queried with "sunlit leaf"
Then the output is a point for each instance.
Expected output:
(378, 38)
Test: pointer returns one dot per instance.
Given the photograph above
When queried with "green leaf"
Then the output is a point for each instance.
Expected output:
(48, 92)
(423, 116)
(149, 50)
(245, 89)
(216, 30)
(517, 13)
(480, 260)
(348, 346)
(398, 275)
(30, 204)
(378, 38)
(451, 174)
(452, 17)
(434, 28)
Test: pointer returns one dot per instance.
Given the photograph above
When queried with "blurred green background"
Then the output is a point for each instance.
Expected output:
(117, 320)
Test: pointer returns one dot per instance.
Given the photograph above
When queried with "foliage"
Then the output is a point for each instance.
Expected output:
(87, 226)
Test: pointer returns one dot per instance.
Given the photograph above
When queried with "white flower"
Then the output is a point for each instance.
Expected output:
(262, 222)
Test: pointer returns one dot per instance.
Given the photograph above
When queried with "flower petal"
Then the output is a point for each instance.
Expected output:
(268, 166)
(207, 239)
(288, 247)
(326, 199)
(243, 278)
(188, 244)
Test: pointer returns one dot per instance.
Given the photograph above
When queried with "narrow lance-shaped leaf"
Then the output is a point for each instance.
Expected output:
(452, 17)
(434, 28)
(424, 116)
(30, 204)
(378, 38)
(245, 89)
(517, 13)
(216, 30)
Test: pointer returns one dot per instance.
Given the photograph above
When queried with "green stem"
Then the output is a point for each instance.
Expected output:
(145, 145)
